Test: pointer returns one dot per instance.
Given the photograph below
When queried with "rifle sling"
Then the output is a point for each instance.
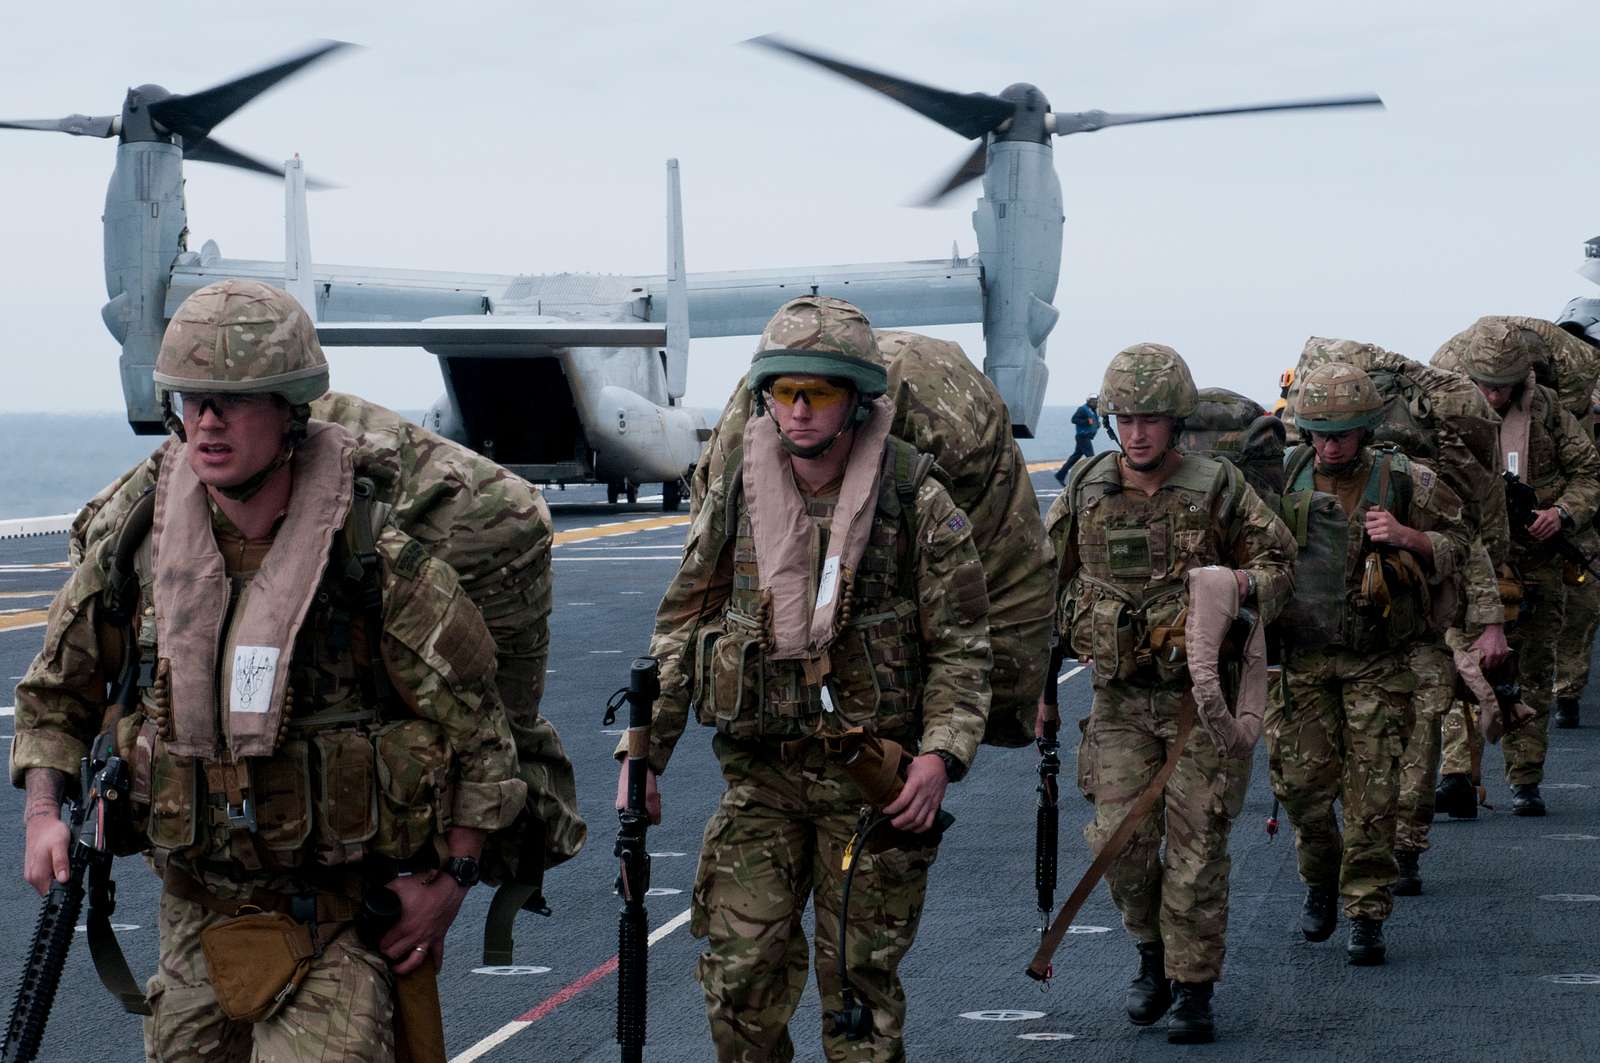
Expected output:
(1040, 966)
(109, 962)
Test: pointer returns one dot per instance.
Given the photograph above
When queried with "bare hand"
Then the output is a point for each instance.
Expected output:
(1492, 646)
(1546, 523)
(652, 796)
(921, 796)
(44, 853)
(1042, 714)
(428, 905)
(1382, 527)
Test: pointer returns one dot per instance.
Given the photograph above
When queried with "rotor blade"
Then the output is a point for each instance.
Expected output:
(195, 116)
(79, 125)
(1066, 123)
(970, 114)
(971, 169)
(214, 150)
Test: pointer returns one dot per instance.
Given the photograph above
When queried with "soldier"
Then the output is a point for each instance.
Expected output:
(836, 588)
(1126, 530)
(1085, 426)
(1338, 724)
(316, 694)
(1576, 651)
(1547, 449)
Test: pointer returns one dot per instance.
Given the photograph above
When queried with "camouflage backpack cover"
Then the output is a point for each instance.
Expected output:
(1229, 426)
(494, 529)
(1568, 366)
(946, 408)
(1432, 415)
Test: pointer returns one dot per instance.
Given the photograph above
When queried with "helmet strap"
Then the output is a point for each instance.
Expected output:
(815, 450)
(299, 422)
(1154, 464)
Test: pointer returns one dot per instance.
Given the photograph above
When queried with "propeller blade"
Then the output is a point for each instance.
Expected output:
(970, 114)
(193, 117)
(1065, 123)
(79, 125)
(214, 150)
(971, 168)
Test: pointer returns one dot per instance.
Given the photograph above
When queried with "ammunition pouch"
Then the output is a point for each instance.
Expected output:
(256, 962)
(1130, 641)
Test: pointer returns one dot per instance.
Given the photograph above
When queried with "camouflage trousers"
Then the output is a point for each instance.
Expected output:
(1535, 639)
(1434, 666)
(776, 841)
(343, 1011)
(1339, 736)
(1179, 897)
(1576, 648)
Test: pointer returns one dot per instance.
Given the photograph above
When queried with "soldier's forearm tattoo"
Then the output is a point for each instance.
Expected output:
(45, 787)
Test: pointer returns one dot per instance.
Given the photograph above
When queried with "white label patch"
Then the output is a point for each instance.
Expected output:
(1512, 464)
(829, 584)
(254, 669)
(827, 699)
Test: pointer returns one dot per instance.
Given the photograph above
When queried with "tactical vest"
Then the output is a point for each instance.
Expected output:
(876, 655)
(354, 773)
(1335, 604)
(1133, 551)
(1541, 466)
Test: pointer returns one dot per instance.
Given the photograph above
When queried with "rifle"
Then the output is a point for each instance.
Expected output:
(1048, 818)
(1522, 506)
(633, 861)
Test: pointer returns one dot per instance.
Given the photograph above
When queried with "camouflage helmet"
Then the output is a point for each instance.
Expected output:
(1337, 397)
(246, 338)
(1148, 378)
(818, 336)
(1499, 351)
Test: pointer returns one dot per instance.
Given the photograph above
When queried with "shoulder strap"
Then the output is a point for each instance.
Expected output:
(733, 479)
(1080, 473)
(362, 571)
(122, 586)
(1226, 492)
(1295, 466)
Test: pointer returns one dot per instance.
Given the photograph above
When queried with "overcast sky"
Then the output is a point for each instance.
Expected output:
(530, 137)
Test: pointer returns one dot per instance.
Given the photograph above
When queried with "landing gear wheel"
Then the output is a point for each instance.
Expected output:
(633, 493)
(671, 496)
(613, 491)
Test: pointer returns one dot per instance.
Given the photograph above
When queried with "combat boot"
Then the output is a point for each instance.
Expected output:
(1366, 942)
(1320, 914)
(1455, 796)
(1525, 800)
(1149, 994)
(1566, 714)
(1191, 1022)
(1409, 884)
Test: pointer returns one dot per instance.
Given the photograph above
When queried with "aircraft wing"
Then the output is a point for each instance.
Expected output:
(505, 336)
(891, 294)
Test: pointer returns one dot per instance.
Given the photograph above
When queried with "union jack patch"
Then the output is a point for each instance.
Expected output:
(957, 523)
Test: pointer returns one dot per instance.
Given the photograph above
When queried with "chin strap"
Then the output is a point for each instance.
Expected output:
(815, 450)
(299, 420)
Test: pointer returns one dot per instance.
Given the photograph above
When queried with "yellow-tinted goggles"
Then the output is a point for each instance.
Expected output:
(819, 393)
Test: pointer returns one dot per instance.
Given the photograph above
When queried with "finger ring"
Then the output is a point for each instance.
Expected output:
(420, 948)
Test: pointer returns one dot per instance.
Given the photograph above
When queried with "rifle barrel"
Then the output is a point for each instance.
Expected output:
(52, 937)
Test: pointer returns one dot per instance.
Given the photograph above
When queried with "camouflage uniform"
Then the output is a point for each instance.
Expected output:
(1122, 558)
(424, 745)
(1338, 723)
(780, 831)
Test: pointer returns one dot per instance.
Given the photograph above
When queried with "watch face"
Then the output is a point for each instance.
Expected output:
(464, 869)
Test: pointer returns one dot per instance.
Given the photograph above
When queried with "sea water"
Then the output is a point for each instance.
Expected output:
(52, 463)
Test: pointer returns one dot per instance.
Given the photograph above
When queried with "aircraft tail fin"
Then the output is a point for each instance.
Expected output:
(677, 290)
(297, 276)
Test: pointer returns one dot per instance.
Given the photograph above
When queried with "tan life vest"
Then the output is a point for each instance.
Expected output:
(745, 692)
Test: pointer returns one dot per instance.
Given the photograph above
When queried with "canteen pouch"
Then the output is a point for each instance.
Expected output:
(1111, 640)
(256, 962)
(732, 701)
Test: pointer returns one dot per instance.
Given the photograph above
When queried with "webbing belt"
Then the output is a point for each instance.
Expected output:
(1040, 967)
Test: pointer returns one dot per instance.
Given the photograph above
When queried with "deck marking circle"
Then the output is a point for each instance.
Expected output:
(1566, 786)
(1571, 898)
(1573, 837)
(1572, 979)
(668, 891)
(511, 971)
(1042, 1036)
(1077, 929)
(1002, 1015)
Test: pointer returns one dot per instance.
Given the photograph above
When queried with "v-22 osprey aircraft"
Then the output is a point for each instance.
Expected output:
(598, 365)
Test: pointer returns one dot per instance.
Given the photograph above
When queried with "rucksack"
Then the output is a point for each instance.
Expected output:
(434, 490)
(1232, 427)
(946, 408)
(1571, 368)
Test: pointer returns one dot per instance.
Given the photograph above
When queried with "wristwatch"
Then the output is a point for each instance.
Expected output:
(464, 869)
(953, 768)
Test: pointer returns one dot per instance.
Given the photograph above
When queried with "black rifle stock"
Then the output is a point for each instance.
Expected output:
(1522, 508)
(633, 860)
(1047, 821)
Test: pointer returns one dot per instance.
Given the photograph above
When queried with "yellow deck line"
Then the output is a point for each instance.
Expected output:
(26, 618)
(1045, 466)
(625, 527)
(27, 594)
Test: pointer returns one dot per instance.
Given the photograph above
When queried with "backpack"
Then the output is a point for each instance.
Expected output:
(1230, 427)
(1571, 368)
(436, 491)
(946, 409)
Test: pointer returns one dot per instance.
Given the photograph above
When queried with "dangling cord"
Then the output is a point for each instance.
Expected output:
(854, 1020)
